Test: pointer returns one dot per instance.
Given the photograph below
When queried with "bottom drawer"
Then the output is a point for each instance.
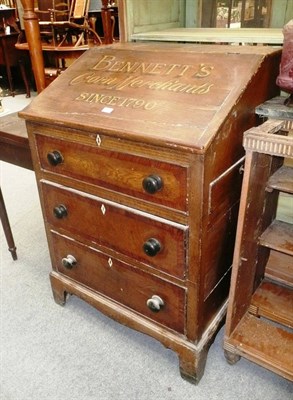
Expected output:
(155, 298)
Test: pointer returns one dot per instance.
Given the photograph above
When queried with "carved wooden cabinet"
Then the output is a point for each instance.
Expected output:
(138, 155)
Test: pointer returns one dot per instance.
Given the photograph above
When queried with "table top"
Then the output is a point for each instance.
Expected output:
(13, 129)
(214, 35)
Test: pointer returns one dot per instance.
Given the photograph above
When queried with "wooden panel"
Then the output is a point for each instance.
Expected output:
(274, 302)
(265, 344)
(116, 171)
(117, 280)
(246, 253)
(278, 236)
(225, 190)
(217, 250)
(102, 222)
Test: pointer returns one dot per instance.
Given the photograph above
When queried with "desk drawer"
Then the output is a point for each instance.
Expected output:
(122, 283)
(153, 241)
(144, 178)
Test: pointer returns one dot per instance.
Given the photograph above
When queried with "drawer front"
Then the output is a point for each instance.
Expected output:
(143, 178)
(153, 241)
(119, 281)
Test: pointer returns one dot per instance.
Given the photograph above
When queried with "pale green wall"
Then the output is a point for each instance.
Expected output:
(282, 12)
(151, 15)
(148, 15)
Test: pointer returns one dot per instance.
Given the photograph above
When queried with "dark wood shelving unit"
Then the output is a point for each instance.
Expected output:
(260, 311)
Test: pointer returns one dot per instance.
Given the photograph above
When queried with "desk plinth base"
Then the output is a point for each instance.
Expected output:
(192, 358)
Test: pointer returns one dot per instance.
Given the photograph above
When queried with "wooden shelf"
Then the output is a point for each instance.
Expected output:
(278, 236)
(280, 268)
(265, 344)
(274, 302)
(282, 180)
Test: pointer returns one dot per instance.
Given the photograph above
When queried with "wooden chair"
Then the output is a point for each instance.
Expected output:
(66, 22)
(49, 12)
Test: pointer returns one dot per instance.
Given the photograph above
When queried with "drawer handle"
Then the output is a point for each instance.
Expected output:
(155, 303)
(152, 184)
(60, 211)
(55, 157)
(152, 247)
(69, 262)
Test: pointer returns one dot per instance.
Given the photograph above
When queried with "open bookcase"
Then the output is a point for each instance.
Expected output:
(260, 311)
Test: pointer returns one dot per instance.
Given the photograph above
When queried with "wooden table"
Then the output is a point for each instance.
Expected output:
(14, 144)
(14, 149)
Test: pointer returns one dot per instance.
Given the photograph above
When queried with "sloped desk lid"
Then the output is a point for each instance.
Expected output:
(169, 94)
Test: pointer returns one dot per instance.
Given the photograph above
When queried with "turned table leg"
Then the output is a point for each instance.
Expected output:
(7, 228)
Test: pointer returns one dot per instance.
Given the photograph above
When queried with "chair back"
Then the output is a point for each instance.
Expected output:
(79, 9)
(53, 10)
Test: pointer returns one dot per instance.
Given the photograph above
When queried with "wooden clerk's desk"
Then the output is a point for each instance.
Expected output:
(139, 170)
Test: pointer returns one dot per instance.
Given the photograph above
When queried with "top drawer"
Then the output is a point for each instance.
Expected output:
(140, 177)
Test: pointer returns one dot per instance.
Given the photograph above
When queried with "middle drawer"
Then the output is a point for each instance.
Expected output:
(151, 240)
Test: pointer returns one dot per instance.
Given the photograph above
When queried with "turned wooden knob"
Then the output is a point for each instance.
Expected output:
(155, 303)
(152, 247)
(60, 211)
(152, 184)
(69, 262)
(54, 157)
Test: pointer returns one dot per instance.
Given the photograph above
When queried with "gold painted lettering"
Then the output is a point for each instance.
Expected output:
(138, 103)
(171, 68)
(155, 69)
(129, 67)
(150, 105)
(184, 69)
(114, 100)
(104, 63)
(78, 79)
(105, 99)
(204, 71)
(127, 102)
(82, 96)
(116, 67)
(202, 89)
(123, 101)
